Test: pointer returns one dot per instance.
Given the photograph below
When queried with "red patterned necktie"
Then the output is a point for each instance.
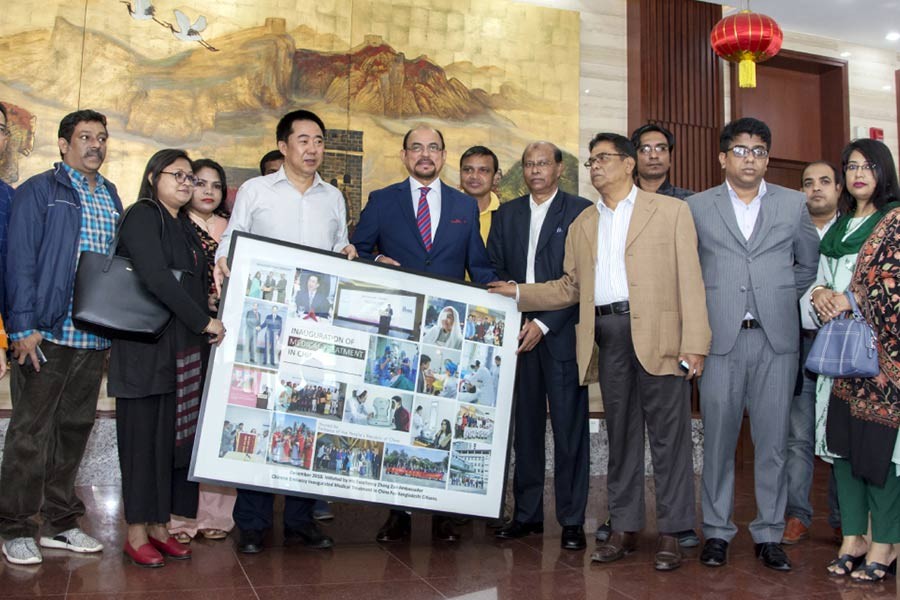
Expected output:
(423, 218)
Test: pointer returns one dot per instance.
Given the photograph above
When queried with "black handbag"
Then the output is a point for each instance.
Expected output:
(111, 300)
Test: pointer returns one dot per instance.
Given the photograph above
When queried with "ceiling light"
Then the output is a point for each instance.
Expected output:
(887, 88)
(892, 36)
(846, 54)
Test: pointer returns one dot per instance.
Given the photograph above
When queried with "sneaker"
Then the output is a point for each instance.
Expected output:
(688, 538)
(72, 539)
(603, 532)
(22, 551)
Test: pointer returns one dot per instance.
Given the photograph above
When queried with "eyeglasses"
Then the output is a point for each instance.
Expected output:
(744, 151)
(658, 148)
(865, 167)
(602, 158)
(420, 148)
(541, 164)
(182, 177)
(4, 131)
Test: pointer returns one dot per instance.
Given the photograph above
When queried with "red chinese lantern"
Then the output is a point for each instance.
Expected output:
(746, 38)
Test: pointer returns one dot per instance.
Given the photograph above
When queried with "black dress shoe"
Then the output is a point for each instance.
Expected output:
(772, 555)
(396, 528)
(442, 529)
(250, 541)
(516, 530)
(309, 534)
(715, 552)
(572, 538)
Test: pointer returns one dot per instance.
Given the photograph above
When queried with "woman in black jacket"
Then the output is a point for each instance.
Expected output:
(158, 385)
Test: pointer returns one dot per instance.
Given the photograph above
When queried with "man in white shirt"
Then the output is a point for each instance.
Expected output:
(527, 244)
(293, 204)
(822, 184)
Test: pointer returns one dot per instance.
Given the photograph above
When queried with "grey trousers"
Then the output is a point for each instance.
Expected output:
(754, 377)
(631, 398)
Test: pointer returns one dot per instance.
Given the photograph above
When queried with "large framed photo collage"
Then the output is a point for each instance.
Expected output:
(353, 381)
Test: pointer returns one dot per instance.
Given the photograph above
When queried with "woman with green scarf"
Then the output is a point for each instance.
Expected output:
(865, 454)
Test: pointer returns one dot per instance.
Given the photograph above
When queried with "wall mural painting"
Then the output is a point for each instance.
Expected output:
(214, 76)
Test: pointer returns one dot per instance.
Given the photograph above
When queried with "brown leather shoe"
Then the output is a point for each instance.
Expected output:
(620, 544)
(668, 553)
(794, 531)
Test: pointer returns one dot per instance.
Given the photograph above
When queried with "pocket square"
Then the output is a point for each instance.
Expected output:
(559, 230)
(458, 221)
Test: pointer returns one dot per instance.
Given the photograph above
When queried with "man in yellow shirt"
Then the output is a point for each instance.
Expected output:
(477, 167)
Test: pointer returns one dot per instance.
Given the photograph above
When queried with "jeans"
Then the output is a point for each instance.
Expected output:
(801, 440)
(52, 417)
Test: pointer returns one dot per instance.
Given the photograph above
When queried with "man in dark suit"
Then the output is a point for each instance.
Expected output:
(423, 224)
(272, 326)
(759, 253)
(527, 244)
(313, 297)
(252, 323)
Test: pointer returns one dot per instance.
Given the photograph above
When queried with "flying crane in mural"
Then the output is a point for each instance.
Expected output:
(143, 10)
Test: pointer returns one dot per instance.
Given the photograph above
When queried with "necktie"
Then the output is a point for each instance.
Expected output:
(423, 218)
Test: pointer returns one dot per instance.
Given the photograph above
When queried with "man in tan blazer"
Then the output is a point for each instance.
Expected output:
(632, 265)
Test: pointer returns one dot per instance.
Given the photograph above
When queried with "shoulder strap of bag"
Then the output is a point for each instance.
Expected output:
(115, 242)
(853, 305)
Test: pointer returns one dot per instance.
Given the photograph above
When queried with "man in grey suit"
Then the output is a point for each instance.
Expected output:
(759, 252)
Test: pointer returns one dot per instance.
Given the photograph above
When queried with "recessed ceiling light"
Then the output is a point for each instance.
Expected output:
(846, 54)
(892, 36)
(587, 91)
(887, 88)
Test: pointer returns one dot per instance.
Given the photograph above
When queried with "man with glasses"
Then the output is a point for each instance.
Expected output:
(423, 224)
(631, 265)
(655, 145)
(56, 376)
(547, 372)
(759, 251)
(296, 205)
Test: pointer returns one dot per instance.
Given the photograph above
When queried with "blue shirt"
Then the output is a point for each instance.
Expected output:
(99, 218)
(6, 195)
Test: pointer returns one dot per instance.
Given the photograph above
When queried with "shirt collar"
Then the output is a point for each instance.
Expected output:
(494, 205)
(415, 184)
(734, 197)
(79, 180)
(629, 200)
(546, 204)
(280, 175)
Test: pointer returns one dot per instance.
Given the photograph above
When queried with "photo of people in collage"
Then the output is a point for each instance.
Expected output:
(420, 408)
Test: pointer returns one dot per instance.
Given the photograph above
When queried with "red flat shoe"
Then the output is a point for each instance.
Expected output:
(171, 548)
(145, 556)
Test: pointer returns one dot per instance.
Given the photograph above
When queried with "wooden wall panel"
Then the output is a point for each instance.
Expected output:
(674, 80)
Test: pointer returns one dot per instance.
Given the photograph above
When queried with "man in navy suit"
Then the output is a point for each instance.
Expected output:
(422, 223)
(425, 225)
(527, 244)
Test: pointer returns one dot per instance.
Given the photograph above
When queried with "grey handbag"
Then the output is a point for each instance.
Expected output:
(845, 347)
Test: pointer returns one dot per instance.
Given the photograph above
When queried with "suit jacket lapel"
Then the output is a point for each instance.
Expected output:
(447, 207)
(404, 192)
(551, 221)
(522, 223)
(726, 211)
(764, 221)
(644, 207)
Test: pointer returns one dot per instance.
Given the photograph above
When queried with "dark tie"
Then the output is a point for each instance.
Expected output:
(423, 218)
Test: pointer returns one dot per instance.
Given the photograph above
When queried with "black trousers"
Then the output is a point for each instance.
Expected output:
(633, 397)
(255, 510)
(543, 381)
(52, 416)
(152, 488)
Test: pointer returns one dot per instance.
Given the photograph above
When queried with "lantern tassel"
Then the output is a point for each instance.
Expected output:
(747, 73)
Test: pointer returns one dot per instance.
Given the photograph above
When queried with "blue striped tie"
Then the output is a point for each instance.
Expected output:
(423, 218)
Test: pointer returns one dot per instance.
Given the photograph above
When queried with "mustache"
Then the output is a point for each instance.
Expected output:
(97, 153)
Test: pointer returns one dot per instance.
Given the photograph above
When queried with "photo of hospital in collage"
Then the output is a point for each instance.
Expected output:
(420, 410)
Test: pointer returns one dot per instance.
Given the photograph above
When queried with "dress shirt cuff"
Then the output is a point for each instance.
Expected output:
(517, 290)
(21, 335)
(540, 324)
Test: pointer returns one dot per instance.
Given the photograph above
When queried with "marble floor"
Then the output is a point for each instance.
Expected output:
(477, 568)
